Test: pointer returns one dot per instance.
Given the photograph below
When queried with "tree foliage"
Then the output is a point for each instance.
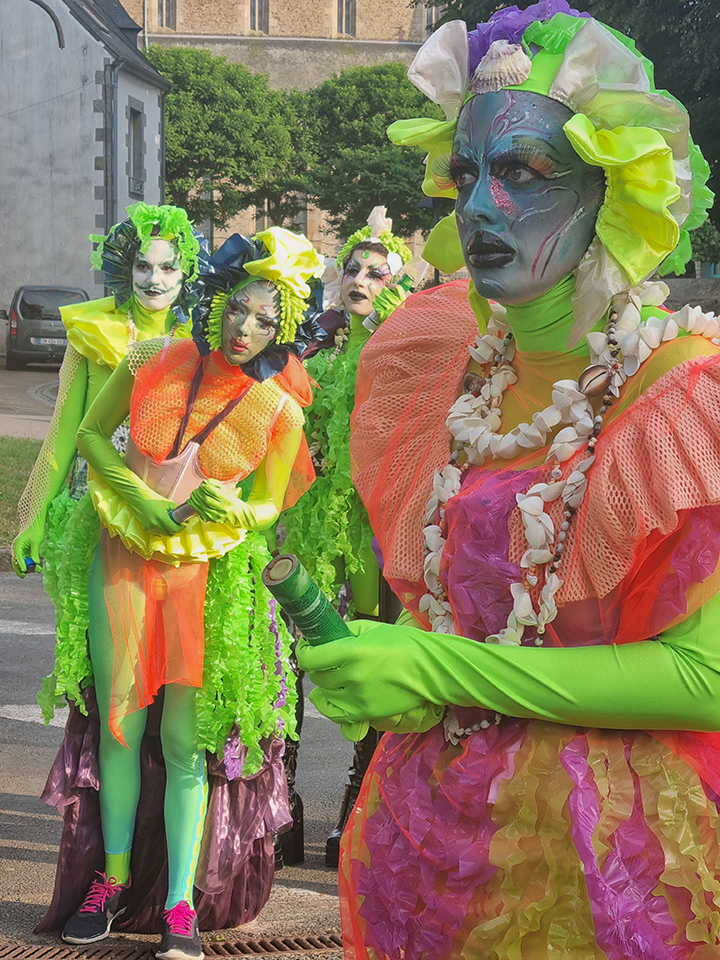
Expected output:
(354, 165)
(231, 140)
(681, 37)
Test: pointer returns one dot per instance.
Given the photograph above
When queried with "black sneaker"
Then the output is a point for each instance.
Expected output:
(106, 900)
(181, 939)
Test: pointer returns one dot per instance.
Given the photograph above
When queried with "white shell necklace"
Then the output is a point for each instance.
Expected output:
(475, 422)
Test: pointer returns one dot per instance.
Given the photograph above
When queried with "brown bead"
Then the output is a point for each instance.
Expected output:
(594, 380)
(473, 384)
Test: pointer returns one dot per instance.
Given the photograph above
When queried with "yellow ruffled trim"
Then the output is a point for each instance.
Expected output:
(435, 136)
(196, 542)
(99, 332)
(634, 222)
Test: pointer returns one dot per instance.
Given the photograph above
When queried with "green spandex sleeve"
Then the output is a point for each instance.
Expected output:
(107, 412)
(55, 459)
(392, 670)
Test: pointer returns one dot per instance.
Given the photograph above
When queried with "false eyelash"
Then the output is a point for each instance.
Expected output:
(530, 157)
(441, 171)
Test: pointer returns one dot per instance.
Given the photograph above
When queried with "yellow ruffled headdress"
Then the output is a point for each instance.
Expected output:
(288, 260)
(639, 135)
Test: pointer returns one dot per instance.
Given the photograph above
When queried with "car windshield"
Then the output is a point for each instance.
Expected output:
(45, 304)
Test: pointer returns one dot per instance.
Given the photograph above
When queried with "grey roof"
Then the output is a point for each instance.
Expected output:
(112, 25)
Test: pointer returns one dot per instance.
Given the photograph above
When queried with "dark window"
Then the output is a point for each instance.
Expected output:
(167, 14)
(346, 17)
(45, 304)
(260, 15)
(135, 144)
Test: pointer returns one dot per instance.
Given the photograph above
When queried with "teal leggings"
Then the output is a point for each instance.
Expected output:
(186, 787)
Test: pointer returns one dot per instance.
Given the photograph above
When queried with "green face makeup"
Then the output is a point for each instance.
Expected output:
(527, 204)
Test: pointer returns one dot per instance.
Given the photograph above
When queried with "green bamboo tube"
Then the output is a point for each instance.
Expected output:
(303, 601)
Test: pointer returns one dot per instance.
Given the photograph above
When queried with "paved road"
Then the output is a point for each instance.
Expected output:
(27, 398)
(304, 898)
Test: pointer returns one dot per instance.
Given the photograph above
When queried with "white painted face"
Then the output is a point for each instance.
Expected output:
(157, 277)
(364, 276)
(250, 322)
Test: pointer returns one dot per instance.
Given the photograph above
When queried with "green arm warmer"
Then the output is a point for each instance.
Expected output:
(396, 672)
(108, 411)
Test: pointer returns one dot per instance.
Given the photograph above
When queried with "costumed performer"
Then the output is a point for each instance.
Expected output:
(147, 261)
(329, 528)
(546, 493)
(178, 614)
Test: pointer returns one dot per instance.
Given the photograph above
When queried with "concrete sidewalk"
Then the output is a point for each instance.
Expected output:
(27, 398)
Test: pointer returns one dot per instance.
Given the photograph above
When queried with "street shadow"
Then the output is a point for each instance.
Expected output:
(26, 820)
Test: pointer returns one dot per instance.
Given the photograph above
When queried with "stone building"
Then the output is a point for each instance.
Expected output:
(298, 43)
(83, 136)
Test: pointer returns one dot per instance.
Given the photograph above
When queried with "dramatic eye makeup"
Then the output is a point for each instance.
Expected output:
(451, 171)
(523, 162)
(376, 274)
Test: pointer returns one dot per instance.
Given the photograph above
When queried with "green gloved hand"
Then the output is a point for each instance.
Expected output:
(27, 544)
(154, 515)
(402, 673)
(366, 679)
(214, 504)
(387, 300)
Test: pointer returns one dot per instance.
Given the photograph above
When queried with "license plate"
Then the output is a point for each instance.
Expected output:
(48, 341)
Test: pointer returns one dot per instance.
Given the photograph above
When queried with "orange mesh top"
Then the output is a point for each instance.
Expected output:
(268, 411)
(657, 458)
(410, 373)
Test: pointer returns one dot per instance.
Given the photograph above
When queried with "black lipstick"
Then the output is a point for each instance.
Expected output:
(484, 249)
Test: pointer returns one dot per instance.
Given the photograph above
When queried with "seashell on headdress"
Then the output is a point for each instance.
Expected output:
(505, 64)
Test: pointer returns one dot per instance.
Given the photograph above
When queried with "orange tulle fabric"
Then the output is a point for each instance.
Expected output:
(410, 369)
(656, 458)
(266, 414)
(156, 616)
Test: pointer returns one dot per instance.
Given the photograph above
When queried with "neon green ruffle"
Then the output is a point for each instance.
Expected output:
(247, 678)
(72, 534)
(329, 523)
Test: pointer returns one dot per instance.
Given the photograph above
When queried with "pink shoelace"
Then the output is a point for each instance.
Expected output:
(99, 893)
(180, 918)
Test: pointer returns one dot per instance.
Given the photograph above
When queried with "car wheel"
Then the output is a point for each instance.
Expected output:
(12, 363)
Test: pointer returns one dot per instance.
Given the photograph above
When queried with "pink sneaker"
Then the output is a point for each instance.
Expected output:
(106, 899)
(181, 939)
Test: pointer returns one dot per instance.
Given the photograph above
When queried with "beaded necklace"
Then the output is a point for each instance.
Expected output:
(475, 422)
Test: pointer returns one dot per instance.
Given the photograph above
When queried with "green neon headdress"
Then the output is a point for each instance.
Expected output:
(656, 176)
(116, 252)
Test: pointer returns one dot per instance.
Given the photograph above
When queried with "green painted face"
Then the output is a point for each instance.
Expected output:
(527, 203)
(157, 277)
(250, 322)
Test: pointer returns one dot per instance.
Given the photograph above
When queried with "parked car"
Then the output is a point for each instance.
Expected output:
(35, 331)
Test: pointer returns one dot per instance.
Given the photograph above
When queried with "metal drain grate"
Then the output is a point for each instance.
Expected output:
(113, 951)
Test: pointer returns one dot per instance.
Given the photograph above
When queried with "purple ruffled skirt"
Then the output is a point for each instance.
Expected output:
(237, 863)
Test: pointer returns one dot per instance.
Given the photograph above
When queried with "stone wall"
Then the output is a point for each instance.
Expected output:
(703, 292)
(294, 62)
(400, 22)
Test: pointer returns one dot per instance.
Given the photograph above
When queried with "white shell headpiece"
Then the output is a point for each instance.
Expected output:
(505, 64)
